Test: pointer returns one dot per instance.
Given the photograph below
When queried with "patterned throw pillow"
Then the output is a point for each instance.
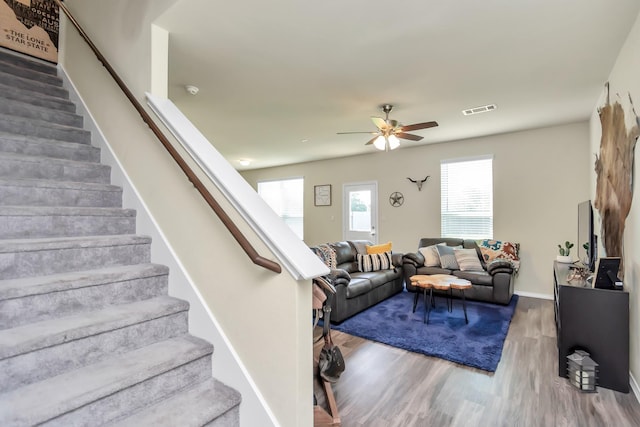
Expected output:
(327, 254)
(431, 257)
(378, 249)
(496, 249)
(468, 260)
(447, 257)
(374, 262)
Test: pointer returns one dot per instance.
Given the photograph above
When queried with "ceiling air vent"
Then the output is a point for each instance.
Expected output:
(478, 110)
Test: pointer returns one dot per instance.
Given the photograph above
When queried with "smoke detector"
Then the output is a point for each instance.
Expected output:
(193, 90)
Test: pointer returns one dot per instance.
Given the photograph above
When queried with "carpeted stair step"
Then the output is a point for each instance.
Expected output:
(209, 403)
(19, 222)
(37, 99)
(21, 109)
(43, 129)
(112, 388)
(34, 146)
(66, 343)
(22, 166)
(41, 257)
(29, 73)
(88, 333)
(28, 63)
(34, 299)
(33, 86)
(39, 192)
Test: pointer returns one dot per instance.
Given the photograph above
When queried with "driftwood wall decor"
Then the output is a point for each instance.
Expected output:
(614, 170)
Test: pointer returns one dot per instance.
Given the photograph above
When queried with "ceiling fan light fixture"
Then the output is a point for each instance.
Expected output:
(390, 132)
(394, 142)
(380, 143)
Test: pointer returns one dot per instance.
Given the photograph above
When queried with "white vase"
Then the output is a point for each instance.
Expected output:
(566, 259)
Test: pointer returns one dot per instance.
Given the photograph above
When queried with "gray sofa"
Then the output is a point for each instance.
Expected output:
(493, 284)
(356, 290)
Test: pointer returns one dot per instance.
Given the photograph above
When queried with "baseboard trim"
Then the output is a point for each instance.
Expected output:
(534, 295)
(635, 389)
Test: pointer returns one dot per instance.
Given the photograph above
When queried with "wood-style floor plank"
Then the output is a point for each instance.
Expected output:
(384, 386)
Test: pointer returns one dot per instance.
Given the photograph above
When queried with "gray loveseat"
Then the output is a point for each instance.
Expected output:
(492, 283)
(357, 290)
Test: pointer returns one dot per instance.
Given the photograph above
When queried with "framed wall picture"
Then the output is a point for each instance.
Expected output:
(30, 27)
(322, 195)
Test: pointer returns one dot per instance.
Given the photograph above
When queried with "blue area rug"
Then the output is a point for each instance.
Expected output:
(447, 336)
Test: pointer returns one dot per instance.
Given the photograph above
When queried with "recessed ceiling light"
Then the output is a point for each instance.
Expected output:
(304, 140)
(478, 110)
(193, 90)
(244, 162)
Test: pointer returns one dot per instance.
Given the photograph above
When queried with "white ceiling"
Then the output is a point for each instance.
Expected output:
(274, 73)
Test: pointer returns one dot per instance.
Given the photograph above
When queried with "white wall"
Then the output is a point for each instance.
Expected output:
(540, 176)
(264, 315)
(624, 80)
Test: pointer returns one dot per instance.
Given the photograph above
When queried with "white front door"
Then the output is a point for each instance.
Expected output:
(360, 211)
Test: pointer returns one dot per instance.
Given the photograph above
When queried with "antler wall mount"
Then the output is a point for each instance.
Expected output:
(419, 183)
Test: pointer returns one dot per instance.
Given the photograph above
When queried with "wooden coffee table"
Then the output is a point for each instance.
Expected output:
(461, 285)
(443, 282)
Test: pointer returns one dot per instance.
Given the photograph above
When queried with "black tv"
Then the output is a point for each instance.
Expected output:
(586, 236)
(606, 273)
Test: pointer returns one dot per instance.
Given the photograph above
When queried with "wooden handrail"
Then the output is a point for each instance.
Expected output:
(208, 197)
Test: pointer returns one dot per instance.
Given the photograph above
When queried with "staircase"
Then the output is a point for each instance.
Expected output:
(88, 334)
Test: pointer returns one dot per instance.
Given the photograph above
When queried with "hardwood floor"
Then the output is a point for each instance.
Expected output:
(384, 386)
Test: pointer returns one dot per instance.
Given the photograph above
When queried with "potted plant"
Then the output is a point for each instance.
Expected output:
(564, 252)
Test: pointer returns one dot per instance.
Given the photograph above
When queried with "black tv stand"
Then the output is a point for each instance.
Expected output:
(595, 320)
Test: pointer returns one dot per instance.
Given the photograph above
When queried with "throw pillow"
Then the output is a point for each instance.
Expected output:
(430, 254)
(360, 246)
(492, 249)
(447, 257)
(327, 254)
(374, 262)
(497, 249)
(378, 249)
(468, 260)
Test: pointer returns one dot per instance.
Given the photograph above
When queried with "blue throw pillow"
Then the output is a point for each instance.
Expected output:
(447, 257)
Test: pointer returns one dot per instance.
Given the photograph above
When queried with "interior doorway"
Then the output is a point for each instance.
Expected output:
(360, 211)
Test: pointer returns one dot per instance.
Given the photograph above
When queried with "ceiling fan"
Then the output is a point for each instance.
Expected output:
(391, 131)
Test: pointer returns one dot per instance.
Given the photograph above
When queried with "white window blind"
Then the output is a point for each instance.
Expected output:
(286, 198)
(466, 206)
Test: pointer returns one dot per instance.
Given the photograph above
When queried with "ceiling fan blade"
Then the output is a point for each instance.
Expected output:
(371, 140)
(418, 126)
(408, 136)
(393, 123)
(347, 133)
(379, 122)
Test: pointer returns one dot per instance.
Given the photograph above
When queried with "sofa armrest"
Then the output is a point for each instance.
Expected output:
(396, 258)
(415, 259)
(500, 266)
(502, 287)
(339, 276)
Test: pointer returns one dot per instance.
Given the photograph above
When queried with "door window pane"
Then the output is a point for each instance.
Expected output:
(360, 211)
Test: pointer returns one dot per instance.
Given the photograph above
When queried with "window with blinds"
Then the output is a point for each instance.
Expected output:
(286, 198)
(466, 206)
